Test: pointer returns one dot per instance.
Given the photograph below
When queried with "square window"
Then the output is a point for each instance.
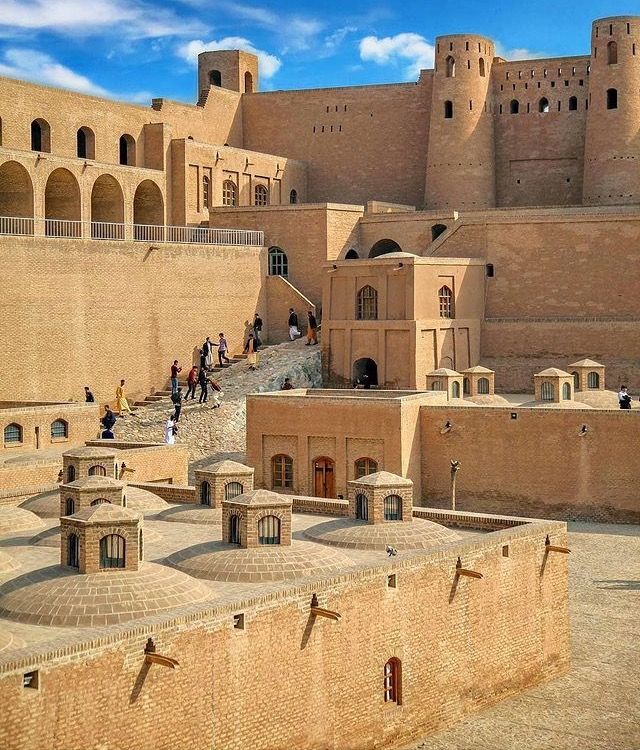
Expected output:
(505, 550)
(30, 680)
(238, 621)
(514, 415)
(392, 581)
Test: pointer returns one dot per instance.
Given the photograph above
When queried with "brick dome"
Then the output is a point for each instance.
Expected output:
(47, 504)
(14, 520)
(196, 514)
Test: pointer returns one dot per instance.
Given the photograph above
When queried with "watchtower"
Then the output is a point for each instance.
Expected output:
(228, 69)
(380, 498)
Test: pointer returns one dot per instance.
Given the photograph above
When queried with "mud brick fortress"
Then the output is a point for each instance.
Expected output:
(470, 243)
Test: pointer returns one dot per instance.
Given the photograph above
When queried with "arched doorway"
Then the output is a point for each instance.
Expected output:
(62, 204)
(85, 143)
(148, 212)
(323, 477)
(382, 247)
(437, 230)
(127, 150)
(248, 83)
(215, 78)
(107, 209)
(16, 199)
(352, 254)
(365, 372)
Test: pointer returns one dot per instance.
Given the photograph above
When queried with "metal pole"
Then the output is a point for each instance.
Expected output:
(455, 465)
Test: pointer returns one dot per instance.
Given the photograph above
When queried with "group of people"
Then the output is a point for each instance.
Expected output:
(108, 419)
(312, 327)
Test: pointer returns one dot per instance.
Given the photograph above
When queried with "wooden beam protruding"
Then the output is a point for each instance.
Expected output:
(164, 661)
(468, 573)
(553, 548)
(329, 614)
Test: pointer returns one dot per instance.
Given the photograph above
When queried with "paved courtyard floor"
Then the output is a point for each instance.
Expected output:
(596, 706)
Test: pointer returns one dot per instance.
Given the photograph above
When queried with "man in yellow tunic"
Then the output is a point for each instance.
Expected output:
(121, 400)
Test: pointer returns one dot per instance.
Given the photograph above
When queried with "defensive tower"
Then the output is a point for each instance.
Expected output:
(228, 69)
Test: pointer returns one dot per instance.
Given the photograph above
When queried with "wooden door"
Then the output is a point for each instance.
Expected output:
(323, 477)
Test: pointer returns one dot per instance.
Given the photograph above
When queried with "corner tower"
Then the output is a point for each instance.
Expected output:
(228, 69)
(612, 145)
(460, 161)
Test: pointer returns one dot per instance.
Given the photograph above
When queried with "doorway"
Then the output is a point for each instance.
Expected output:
(323, 477)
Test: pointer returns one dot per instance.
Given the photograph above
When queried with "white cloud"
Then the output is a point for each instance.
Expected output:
(269, 64)
(335, 40)
(518, 53)
(395, 50)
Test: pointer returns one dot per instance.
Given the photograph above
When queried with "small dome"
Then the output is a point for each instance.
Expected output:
(586, 363)
(601, 400)
(7, 564)
(553, 372)
(444, 371)
(14, 520)
(51, 537)
(261, 499)
(47, 504)
(95, 482)
(226, 467)
(397, 254)
(90, 451)
(105, 513)
(478, 370)
(384, 479)
(196, 514)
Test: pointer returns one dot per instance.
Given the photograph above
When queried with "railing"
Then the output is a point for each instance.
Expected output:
(106, 230)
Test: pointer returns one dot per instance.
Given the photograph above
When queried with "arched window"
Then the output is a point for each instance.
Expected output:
(69, 506)
(107, 209)
(437, 230)
(140, 546)
(62, 204)
(112, 551)
(514, 107)
(71, 473)
(206, 192)
(281, 472)
(205, 493)
(232, 489)
(448, 110)
(450, 67)
(543, 105)
(573, 103)
(612, 53)
(97, 471)
(73, 551)
(566, 391)
(293, 196)
(352, 254)
(278, 262)
(593, 381)
(455, 389)
(261, 196)
(85, 143)
(59, 429)
(392, 508)
(576, 381)
(547, 391)
(40, 136)
(612, 98)
(392, 681)
(269, 530)
(445, 301)
(127, 146)
(362, 507)
(483, 386)
(234, 529)
(436, 385)
(365, 466)
(382, 247)
(481, 67)
(101, 501)
(367, 304)
(365, 372)
(215, 78)
(148, 211)
(229, 192)
(13, 434)
(466, 386)
(248, 83)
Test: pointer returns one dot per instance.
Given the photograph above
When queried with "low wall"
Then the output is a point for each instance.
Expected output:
(172, 493)
(150, 462)
(320, 506)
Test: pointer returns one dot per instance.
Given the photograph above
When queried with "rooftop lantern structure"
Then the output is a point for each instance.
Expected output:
(446, 380)
(380, 498)
(588, 375)
(478, 381)
(553, 386)
(257, 518)
(90, 492)
(222, 480)
(88, 461)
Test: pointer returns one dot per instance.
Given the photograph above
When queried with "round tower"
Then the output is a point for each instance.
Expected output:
(460, 160)
(612, 141)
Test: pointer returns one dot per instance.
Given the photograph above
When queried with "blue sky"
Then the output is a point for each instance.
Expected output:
(136, 49)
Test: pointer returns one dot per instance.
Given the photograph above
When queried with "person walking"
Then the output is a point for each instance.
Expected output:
(175, 370)
(203, 382)
(251, 349)
(207, 353)
(257, 328)
(624, 399)
(88, 396)
(216, 393)
(108, 418)
(293, 325)
(192, 381)
(223, 348)
(121, 400)
(176, 400)
(312, 329)
(170, 431)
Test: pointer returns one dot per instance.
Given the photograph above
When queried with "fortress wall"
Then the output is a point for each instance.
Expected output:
(81, 313)
(369, 141)
(508, 465)
(461, 649)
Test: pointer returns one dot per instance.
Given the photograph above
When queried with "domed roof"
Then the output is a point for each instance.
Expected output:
(260, 499)
(226, 467)
(479, 370)
(47, 504)
(444, 371)
(218, 561)
(403, 535)
(553, 372)
(396, 254)
(51, 537)
(601, 399)
(95, 483)
(14, 519)
(196, 514)
(7, 563)
(58, 595)
(105, 513)
(384, 479)
(586, 363)
(90, 451)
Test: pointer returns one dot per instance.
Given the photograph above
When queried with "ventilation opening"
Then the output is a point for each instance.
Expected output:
(238, 621)
(31, 680)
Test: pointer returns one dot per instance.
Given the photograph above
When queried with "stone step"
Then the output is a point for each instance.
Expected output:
(153, 399)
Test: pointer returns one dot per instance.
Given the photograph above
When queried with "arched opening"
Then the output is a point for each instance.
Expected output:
(436, 385)
(232, 489)
(112, 551)
(206, 192)
(547, 391)
(248, 83)
(205, 493)
(367, 304)
(140, 546)
(483, 386)
(362, 507)
(450, 67)
(446, 362)
(229, 193)
(101, 501)
(514, 107)
(281, 472)
(234, 529)
(215, 78)
(261, 196)
(392, 507)
(393, 681)
(324, 477)
(566, 392)
(612, 98)
(382, 247)
(593, 381)
(455, 389)
(269, 530)
(148, 212)
(445, 302)
(40, 136)
(69, 506)
(448, 110)
(293, 196)
(71, 474)
(364, 467)
(573, 103)
(59, 429)
(86, 143)
(437, 230)
(127, 149)
(62, 204)
(97, 471)
(612, 53)
(576, 381)
(16, 199)
(365, 372)
(481, 67)
(351, 255)
(278, 262)
(466, 386)
(73, 551)
(543, 105)
(107, 209)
